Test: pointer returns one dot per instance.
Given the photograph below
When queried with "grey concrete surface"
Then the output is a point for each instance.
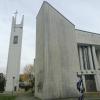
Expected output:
(31, 97)
(25, 96)
(57, 60)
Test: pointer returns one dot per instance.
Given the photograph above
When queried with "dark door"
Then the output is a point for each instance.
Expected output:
(90, 83)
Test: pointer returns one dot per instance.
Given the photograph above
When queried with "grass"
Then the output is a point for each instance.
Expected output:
(7, 97)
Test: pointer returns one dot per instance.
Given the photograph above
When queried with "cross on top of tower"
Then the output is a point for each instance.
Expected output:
(16, 13)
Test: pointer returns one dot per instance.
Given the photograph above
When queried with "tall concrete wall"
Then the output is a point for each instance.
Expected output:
(57, 62)
(40, 50)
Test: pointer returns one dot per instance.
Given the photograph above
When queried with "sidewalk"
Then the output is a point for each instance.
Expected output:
(25, 97)
(30, 96)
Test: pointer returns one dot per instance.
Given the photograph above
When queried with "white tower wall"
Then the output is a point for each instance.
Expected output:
(14, 55)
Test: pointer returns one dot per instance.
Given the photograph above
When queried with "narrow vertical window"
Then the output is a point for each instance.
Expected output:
(79, 55)
(84, 57)
(92, 58)
(15, 40)
(87, 59)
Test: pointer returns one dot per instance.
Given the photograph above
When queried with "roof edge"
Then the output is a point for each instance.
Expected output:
(45, 2)
(88, 32)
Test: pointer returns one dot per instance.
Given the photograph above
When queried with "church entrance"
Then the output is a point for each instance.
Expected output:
(90, 83)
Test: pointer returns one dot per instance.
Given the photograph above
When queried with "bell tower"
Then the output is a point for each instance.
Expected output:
(14, 55)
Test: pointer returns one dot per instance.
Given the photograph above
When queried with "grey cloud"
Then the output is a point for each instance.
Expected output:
(83, 13)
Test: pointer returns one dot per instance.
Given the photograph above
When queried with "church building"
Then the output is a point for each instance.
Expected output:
(63, 53)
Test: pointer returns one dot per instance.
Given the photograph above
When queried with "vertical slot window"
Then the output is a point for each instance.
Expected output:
(15, 40)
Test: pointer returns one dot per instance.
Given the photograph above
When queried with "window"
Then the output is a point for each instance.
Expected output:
(15, 40)
(86, 57)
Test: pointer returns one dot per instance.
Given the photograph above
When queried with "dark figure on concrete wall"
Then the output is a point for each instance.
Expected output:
(80, 88)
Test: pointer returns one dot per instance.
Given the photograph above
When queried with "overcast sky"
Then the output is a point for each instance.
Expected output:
(85, 14)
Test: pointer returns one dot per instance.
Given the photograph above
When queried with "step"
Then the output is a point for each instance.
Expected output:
(92, 94)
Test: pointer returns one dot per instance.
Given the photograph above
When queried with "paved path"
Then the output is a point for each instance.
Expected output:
(25, 96)
(29, 96)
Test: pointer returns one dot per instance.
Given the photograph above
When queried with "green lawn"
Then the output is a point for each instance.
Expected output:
(7, 97)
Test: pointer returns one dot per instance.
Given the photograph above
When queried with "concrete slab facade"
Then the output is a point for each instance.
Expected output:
(57, 57)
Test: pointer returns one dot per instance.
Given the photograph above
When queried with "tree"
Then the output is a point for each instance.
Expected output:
(2, 82)
(27, 77)
(28, 72)
(28, 69)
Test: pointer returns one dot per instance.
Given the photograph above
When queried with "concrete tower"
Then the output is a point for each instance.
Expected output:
(14, 55)
(56, 65)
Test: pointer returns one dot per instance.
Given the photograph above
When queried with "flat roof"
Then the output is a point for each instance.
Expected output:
(88, 32)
